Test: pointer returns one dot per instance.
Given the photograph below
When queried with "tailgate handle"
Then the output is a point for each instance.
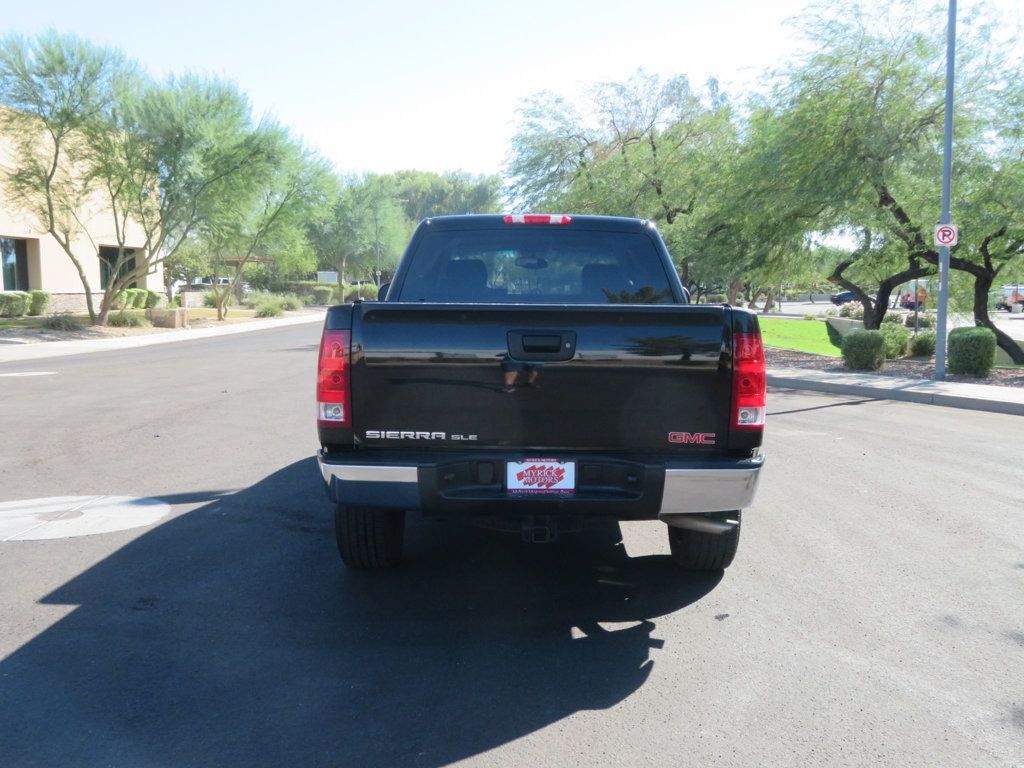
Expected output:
(538, 345)
(542, 343)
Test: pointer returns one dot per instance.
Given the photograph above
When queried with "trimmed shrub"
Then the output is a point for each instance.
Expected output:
(153, 299)
(128, 299)
(716, 298)
(832, 312)
(125, 320)
(893, 317)
(141, 294)
(291, 302)
(14, 303)
(923, 345)
(896, 339)
(864, 350)
(62, 321)
(923, 321)
(972, 351)
(39, 302)
(323, 294)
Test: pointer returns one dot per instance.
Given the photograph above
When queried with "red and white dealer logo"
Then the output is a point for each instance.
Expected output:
(541, 476)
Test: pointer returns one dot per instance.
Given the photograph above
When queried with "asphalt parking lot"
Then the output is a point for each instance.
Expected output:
(874, 614)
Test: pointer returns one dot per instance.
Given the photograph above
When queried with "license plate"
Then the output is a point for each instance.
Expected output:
(541, 476)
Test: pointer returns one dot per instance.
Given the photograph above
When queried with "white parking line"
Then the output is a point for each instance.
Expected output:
(29, 373)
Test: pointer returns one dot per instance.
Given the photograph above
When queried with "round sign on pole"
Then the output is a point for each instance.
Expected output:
(947, 234)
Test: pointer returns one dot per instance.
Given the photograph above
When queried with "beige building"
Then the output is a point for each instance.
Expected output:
(31, 259)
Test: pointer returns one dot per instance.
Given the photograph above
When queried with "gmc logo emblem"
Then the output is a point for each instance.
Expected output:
(693, 438)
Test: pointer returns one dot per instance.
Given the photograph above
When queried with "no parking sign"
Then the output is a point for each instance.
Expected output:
(947, 235)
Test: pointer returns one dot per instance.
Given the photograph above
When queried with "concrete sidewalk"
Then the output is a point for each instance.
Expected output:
(15, 353)
(977, 397)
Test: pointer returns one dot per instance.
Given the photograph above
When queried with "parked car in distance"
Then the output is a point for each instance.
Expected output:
(1009, 295)
(842, 297)
(845, 297)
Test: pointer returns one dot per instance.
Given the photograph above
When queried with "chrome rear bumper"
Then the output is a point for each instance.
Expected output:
(687, 491)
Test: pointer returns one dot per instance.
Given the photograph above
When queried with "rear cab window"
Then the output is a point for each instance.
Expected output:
(536, 265)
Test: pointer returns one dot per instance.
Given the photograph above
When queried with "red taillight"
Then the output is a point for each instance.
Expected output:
(749, 393)
(333, 388)
(538, 218)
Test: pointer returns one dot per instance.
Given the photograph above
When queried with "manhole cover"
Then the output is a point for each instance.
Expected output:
(62, 517)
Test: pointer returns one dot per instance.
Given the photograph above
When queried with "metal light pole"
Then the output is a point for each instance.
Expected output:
(376, 245)
(947, 172)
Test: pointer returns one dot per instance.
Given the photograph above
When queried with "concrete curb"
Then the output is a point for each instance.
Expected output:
(975, 397)
(47, 349)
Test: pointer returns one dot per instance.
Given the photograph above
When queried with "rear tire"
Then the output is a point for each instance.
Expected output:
(368, 537)
(700, 551)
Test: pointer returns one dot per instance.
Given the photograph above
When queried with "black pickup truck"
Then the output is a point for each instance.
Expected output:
(532, 373)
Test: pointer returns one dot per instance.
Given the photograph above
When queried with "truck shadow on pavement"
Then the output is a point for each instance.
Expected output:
(231, 635)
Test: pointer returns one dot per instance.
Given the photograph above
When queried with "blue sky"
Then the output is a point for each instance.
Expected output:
(389, 85)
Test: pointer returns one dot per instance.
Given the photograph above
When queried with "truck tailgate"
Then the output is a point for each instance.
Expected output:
(634, 378)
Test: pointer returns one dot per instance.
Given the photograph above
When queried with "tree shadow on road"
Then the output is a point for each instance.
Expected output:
(231, 635)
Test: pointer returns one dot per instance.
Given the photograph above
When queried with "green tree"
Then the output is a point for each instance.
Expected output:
(423, 194)
(189, 262)
(193, 152)
(367, 222)
(278, 201)
(89, 132)
(56, 90)
(860, 136)
(651, 150)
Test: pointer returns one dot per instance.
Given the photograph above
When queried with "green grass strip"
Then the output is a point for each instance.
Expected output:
(798, 335)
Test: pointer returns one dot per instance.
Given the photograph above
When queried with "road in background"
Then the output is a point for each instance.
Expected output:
(872, 617)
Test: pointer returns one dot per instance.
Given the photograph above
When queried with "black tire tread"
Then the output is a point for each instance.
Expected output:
(700, 551)
(368, 537)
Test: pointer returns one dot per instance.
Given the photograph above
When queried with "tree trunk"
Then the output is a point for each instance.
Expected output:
(734, 291)
(101, 317)
(769, 301)
(684, 271)
(982, 285)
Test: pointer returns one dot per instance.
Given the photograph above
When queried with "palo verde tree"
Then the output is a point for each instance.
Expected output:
(90, 134)
(751, 232)
(55, 91)
(367, 224)
(188, 148)
(423, 194)
(861, 121)
(278, 201)
(647, 148)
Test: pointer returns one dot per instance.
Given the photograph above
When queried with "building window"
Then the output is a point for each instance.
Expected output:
(108, 260)
(14, 256)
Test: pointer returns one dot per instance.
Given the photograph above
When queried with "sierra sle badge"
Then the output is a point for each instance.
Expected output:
(401, 434)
